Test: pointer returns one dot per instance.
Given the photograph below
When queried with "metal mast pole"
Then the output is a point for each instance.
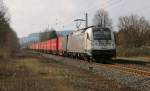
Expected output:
(86, 20)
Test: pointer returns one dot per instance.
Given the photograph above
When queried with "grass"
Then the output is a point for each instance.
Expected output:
(133, 52)
(138, 54)
(29, 75)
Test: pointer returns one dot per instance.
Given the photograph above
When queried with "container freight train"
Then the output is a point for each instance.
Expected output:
(88, 43)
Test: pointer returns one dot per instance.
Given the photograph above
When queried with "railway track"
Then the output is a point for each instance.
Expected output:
(136, 66)
(125, 69)
(129, 70)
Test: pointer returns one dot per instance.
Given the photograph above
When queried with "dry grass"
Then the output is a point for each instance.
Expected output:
(29, 75)
(40, 74)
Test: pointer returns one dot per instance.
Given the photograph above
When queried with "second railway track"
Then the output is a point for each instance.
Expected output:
(130, 70)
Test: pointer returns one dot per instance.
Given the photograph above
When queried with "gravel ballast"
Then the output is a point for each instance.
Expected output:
(137, 82)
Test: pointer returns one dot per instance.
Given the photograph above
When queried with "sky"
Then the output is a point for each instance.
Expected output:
(31, 16)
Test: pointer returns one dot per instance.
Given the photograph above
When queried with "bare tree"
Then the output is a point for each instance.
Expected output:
(102, 19)
(133, 31)
(8, 38)
(4, 24)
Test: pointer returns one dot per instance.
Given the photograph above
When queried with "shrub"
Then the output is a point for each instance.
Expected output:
(4, 54)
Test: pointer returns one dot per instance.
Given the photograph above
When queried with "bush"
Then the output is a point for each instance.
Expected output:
(128, 52)
(4, 54)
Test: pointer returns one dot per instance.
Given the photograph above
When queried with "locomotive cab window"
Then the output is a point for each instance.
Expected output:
(104, 34)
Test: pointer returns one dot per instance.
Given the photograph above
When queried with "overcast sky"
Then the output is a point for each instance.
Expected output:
(30, 16)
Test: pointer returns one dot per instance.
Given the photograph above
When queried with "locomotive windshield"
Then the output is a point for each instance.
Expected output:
(102, 34)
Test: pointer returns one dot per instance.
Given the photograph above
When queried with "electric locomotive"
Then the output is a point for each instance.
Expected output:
(92, 42)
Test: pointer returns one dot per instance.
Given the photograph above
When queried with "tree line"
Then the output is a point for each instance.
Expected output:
(133, 31)
(8, 37)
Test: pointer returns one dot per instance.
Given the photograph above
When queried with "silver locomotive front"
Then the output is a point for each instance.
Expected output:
(100, 43)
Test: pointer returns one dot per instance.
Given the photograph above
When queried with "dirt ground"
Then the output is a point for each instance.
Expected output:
(27, 72)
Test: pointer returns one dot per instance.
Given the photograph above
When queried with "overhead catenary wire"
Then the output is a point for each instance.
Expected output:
(70, 20)
(108, 1)
(111, 5)
(136, 10)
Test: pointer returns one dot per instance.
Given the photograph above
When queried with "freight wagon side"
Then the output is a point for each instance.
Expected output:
(48, 46)
(39, 46)
(60, 46)
(45, 46)
(42, 46)
(54, 45)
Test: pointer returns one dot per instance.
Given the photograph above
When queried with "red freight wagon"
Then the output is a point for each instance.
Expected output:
(40, 44)
(36, 46)
(60, 45)
(44, 45)
(49, 45)
(54, 45)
